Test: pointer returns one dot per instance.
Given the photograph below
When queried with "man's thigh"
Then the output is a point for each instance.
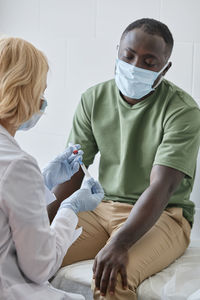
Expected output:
(160, 246)
(92, 239)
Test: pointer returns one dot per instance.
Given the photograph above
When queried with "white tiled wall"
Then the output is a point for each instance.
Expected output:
(79, 38)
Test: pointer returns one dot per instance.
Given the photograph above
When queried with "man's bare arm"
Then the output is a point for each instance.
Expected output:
(163, 183)
(64, 190)
(113, 258)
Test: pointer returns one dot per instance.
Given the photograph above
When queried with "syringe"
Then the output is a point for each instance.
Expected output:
(83, 167)
(87, 174)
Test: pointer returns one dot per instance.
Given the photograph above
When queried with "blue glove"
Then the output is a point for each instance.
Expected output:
(87, 198)
(63, 167)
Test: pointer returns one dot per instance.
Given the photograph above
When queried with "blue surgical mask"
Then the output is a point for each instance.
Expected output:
(35, 118)
(135, 82)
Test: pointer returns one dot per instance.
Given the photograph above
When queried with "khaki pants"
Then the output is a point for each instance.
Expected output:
(159, 247)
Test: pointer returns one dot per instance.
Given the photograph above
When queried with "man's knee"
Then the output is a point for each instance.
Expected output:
(120, 292)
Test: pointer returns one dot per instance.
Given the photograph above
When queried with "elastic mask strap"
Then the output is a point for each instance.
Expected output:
(44, 104)
(163, 68)
(161, 78)
(117, 48)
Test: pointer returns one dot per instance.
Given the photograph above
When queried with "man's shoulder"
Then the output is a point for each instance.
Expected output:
(177, 95)
(98, 89)
(180, 106)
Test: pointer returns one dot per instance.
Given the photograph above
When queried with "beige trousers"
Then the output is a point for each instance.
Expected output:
(159, 247)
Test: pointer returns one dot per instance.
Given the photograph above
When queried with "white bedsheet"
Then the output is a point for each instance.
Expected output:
(179, 281)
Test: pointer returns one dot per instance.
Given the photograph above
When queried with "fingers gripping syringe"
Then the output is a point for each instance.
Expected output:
(83, 167)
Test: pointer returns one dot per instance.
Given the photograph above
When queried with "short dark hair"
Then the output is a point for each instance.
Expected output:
(153, 27)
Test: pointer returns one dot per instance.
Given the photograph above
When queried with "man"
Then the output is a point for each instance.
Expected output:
(147, 131)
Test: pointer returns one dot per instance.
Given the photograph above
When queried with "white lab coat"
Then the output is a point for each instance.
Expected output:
(31, 250)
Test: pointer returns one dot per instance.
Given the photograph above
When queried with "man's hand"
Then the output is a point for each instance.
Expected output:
(113, 258)
(110, 261)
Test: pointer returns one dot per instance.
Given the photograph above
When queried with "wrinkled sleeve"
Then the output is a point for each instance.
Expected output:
(40, 247)
(82, 132)
(180, 143)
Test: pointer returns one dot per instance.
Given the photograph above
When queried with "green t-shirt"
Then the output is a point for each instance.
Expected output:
(163, 129)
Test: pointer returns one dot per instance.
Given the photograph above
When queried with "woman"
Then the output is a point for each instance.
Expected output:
(31, 250)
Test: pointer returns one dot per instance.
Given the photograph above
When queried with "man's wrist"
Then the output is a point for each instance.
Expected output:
(120, 242)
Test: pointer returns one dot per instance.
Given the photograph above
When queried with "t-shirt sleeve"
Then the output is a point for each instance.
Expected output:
(82, 132)
(179, 146)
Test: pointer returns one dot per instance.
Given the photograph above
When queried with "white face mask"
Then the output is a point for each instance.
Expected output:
(34, 119)
(135, 82)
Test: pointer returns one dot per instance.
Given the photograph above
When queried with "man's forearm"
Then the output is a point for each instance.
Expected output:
(64, 190)
(149, 207)
(143, 216)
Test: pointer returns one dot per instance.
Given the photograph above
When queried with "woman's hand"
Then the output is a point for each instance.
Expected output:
(87, 198)
(63, 167)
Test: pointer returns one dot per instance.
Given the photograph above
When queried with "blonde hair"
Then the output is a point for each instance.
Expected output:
(23, 74)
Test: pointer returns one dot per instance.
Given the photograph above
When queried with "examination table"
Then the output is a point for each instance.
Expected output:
(179, 281)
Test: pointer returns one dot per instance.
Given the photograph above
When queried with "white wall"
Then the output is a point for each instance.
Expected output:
(79, 38)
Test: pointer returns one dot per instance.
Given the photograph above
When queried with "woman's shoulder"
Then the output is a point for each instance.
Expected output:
(24, 162)
(18, 164)
(21, 183)
(11, 154)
